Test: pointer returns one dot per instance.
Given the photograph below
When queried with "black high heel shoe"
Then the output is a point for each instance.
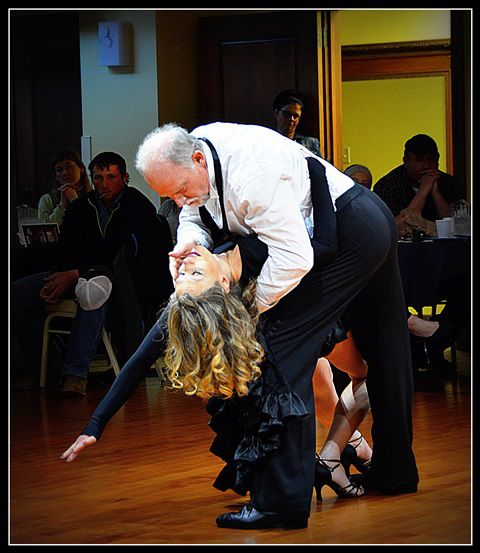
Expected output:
(324, 477)
(349, 456)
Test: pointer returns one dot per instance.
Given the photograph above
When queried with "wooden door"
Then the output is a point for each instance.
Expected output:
(245, 60)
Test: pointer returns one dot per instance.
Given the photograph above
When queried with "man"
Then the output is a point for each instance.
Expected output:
(287, 111)
(418, 186)
(266, 190)
(95, 228)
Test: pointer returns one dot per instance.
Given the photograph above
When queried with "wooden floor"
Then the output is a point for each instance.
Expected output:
(148, 480)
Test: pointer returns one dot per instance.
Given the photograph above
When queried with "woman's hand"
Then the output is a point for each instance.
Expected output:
(77, 447)
(68, 195)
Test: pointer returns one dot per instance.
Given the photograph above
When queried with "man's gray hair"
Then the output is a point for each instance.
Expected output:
(168, 143)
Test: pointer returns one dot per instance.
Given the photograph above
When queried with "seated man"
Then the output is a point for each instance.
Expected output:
(418, 184)
(287, 110)
(94, 230)
(417, 190)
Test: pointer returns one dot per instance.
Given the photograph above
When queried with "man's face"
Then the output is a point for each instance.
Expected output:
(417, 166)
(287, 119)
(186, 186)
(108, 182)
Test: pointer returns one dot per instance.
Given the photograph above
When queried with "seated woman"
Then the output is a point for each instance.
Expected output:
(360, 174)
(71, 182)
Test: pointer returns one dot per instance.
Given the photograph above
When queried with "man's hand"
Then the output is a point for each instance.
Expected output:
(77, 447)
(177, 255)
(429, 180)
(57, 284)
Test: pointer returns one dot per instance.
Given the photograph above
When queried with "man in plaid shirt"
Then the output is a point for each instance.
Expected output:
(418, 184)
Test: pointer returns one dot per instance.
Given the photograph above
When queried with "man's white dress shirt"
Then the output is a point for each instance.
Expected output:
(266, 191)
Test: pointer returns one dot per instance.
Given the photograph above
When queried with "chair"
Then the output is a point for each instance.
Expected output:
(68, 309)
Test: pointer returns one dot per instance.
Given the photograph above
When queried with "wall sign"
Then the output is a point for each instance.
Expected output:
(114, 38)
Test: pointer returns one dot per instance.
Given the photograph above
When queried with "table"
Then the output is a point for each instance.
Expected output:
(426, 265)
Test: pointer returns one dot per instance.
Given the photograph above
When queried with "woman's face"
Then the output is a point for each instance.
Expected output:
(361, 178)
(200, 270)
(68, 172)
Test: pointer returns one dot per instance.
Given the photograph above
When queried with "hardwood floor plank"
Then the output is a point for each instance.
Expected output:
(149, 478)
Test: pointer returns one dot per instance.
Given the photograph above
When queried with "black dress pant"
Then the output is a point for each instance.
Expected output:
(363, 282)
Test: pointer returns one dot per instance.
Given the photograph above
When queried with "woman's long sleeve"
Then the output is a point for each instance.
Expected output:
(152, 347)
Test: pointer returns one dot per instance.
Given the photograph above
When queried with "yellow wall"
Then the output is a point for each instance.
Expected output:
(380, 116)
(376, 26)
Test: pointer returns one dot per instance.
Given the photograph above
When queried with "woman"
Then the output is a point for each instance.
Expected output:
(360, 174)
(71, 181)
(214, 301)
(210, 304)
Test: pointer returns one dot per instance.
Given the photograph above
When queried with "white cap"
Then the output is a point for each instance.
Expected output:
(93, 293)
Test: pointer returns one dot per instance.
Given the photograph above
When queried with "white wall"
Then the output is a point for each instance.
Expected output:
(120, 104)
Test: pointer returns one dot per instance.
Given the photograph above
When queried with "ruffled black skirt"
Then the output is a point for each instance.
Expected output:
(249, 428)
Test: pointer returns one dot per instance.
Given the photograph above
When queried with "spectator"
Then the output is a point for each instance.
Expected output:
(95, 228)
(287, 110)
(71, 182)
(417, 193)
(360, 174)
(418, 185)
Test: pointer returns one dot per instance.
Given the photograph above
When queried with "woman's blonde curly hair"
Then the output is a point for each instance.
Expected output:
(212, 347)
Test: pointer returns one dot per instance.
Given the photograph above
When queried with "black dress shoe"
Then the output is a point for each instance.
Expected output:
(251, 519)
(370, 485)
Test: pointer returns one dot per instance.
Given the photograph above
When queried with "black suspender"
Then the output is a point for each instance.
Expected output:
(222, 238)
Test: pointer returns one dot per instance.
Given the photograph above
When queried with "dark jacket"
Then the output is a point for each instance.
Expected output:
(82, 244)
(134, 247)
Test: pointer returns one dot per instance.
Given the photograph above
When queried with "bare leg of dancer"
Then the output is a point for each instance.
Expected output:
(342, 415)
